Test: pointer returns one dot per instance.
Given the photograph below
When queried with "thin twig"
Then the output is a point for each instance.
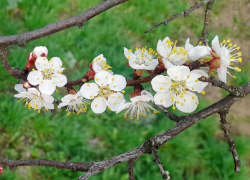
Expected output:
(170, 115)
(236, 91)
(164, 173)
(184, 13)
(74, 166)
(225, 126)
(203, 38)
(131, 169)
(15, 72)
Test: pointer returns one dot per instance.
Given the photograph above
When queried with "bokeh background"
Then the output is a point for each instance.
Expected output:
(201, 152)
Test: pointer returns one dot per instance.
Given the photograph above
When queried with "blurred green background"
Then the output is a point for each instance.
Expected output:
(200, 152)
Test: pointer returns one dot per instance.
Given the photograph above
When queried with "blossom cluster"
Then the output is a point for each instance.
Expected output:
(174, 82)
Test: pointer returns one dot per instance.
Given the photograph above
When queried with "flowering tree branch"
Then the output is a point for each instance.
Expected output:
(153, 143)
(184, 13)
(181, 80)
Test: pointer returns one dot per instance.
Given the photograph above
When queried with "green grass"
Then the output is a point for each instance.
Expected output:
(193, 155)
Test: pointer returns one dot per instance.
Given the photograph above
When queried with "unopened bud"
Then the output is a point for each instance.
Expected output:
(139, 72)
(1, 170)
(72, 91)
(40, 51)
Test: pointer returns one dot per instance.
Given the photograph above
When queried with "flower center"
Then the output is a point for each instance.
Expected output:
(144, 56)
(104, 91)
(178, 87)
(47, 73)
(76, 106)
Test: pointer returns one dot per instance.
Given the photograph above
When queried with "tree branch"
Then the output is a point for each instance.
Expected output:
(225, 126)
(236, 91)
(203, 38)
(78, 20)
(184, 13)
(154, 142)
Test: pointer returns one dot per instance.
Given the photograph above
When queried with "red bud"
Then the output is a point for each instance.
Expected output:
(1, 170)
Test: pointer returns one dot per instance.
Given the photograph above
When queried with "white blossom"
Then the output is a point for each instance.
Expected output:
(35, 99)
(171, 55)
(105, 91)
(48, 75)
(74, 102)
(100, 64)
(227, 59)
(175, 89)
(138, 106)
(197, 52)
(142, 59)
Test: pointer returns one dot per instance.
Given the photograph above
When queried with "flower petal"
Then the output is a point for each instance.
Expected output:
(118, 83)
(59, 79)
(55, 63)
(163, 98)
(68, 98)
(145, 97)
(167, 63)
(48, 105)
(103, 78)
(188, 46)
(89, 90)
(19, 88)
(161, 83)
(151, 65)
(42, 63)
(99, 105)
(199, 52)
(178, 73)
(62, 104)
(34, 91)
(187, 103)
(163, 48)
(48, 98)
(222, 73)
(47, 87)
(128, 54)
(193, 83)
(134, 65)
(35, 77)
(216, 45)
(115, 100)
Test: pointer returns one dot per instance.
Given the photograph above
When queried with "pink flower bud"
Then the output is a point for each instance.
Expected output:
(1, 170)
(40, 51)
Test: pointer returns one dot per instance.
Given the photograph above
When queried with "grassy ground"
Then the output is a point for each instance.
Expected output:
(198, 153)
